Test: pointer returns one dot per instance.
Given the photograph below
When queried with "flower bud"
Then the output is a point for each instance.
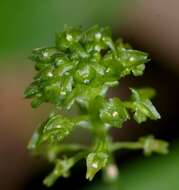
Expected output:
(95, 162)
(150, 144)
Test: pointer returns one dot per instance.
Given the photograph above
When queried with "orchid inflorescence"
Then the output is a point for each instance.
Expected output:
(77, 72)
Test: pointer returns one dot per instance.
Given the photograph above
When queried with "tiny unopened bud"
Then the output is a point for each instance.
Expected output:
(95, 162)
(112, 171)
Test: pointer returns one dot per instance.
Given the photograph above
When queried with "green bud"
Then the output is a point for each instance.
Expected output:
(114, 112)
(150, 144)
(37, 101)
(44, 54)
(54, 129)
(95, 162)
(31, 91)
(85, 73)
(138, 70)
(62, 168)
(132, 61)
(142, 106)
(68, 38)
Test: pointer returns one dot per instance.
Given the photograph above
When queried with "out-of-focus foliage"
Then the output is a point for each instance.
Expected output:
(78, 70)
(28, 24)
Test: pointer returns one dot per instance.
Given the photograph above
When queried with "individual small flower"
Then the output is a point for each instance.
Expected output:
(111, 172)
(62, 168)
(95, 162)
(150, 144)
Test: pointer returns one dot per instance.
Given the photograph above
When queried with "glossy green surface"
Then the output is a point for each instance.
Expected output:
(78, 71)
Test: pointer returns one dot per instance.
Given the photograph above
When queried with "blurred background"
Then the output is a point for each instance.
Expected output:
(151, 26)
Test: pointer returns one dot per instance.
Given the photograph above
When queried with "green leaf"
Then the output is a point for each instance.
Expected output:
(150, 144)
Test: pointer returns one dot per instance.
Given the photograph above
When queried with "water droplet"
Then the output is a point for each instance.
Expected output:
(86, 81)
(108, 70)
(98, 35)
(58, 126)
(63, 93)
(69, 37)
(50, 74)
(131, 59)
(115, 113)
(45, 54)
(95, 165)
(97, 48)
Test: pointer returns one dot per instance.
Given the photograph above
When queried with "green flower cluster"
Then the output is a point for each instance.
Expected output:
(78, 71)
(81, 61)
